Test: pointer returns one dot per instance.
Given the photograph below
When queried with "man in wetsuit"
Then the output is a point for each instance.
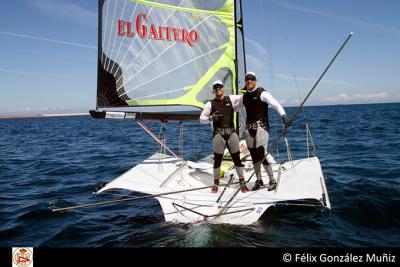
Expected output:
(220, 112)
(256, 101)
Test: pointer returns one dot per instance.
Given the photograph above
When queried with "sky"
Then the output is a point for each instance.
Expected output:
(49, 52)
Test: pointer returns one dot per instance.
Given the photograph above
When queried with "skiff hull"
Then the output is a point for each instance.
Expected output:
(298, 180)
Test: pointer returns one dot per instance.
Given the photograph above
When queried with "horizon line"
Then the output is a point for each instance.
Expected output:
(41, 115)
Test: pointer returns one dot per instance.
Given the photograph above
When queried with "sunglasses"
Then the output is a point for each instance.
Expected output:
(216, 87)
(250, 79)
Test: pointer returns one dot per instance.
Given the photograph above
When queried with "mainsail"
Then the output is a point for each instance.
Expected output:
(162, 56)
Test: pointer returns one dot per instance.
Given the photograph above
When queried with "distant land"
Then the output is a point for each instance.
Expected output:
(40, 115)
(43, 115)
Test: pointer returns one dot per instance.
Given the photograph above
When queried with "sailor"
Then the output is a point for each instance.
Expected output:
(256, 101)
(220, 112)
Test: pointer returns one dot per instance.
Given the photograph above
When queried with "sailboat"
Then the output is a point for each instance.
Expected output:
(157, 61)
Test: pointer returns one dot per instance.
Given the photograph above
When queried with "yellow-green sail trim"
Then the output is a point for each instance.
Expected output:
(223, 12)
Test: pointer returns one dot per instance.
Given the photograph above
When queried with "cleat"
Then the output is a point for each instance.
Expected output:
(272, 185)
(257, 185)
(214, 189)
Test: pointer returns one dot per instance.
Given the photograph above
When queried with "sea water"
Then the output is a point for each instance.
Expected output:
(53, 162)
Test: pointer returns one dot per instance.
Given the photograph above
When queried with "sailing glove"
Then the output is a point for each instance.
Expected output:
(286, 120)
(215, 116)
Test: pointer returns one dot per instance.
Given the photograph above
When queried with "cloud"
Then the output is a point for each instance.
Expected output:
(342, 83)
(291, 78)
(295, 103)
(26, 72)
(48, 40)
(357, 98)
(39, 110)
(67, 11)
(62, 55)
(254, 62)
(259, 48)
(339, 17)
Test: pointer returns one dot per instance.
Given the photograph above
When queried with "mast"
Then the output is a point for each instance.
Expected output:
(99, 46)
(239, 27)
(243, 42)
(236, 67)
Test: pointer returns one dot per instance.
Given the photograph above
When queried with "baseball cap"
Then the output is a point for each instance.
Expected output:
(218, 82)
(250, 73)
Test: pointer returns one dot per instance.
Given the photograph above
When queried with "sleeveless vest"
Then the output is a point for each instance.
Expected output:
(256, 110)
(225, 108)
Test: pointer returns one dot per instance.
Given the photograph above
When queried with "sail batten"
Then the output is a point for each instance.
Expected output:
(155, 53)
(177, 67)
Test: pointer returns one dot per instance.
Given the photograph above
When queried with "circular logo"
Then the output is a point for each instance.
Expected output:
(22, 257)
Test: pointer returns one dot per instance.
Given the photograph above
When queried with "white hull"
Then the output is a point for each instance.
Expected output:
(297, 180)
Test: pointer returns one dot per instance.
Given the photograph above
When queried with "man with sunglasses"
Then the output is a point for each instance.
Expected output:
(256, 101)
(220, 112)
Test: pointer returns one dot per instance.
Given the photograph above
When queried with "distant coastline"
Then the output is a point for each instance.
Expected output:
(39, 115)
(42, 115)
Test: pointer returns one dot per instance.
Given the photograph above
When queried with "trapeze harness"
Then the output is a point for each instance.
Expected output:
(224, 132)
(257, 117)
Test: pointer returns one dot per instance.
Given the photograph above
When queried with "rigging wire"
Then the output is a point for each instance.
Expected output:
(289, 153)
(181, 139)
(268, 36)
(295, 80)
(272, 77)
(306, 121)
(309, 136)
(196, 150)
(162, 138)
(141, 124)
